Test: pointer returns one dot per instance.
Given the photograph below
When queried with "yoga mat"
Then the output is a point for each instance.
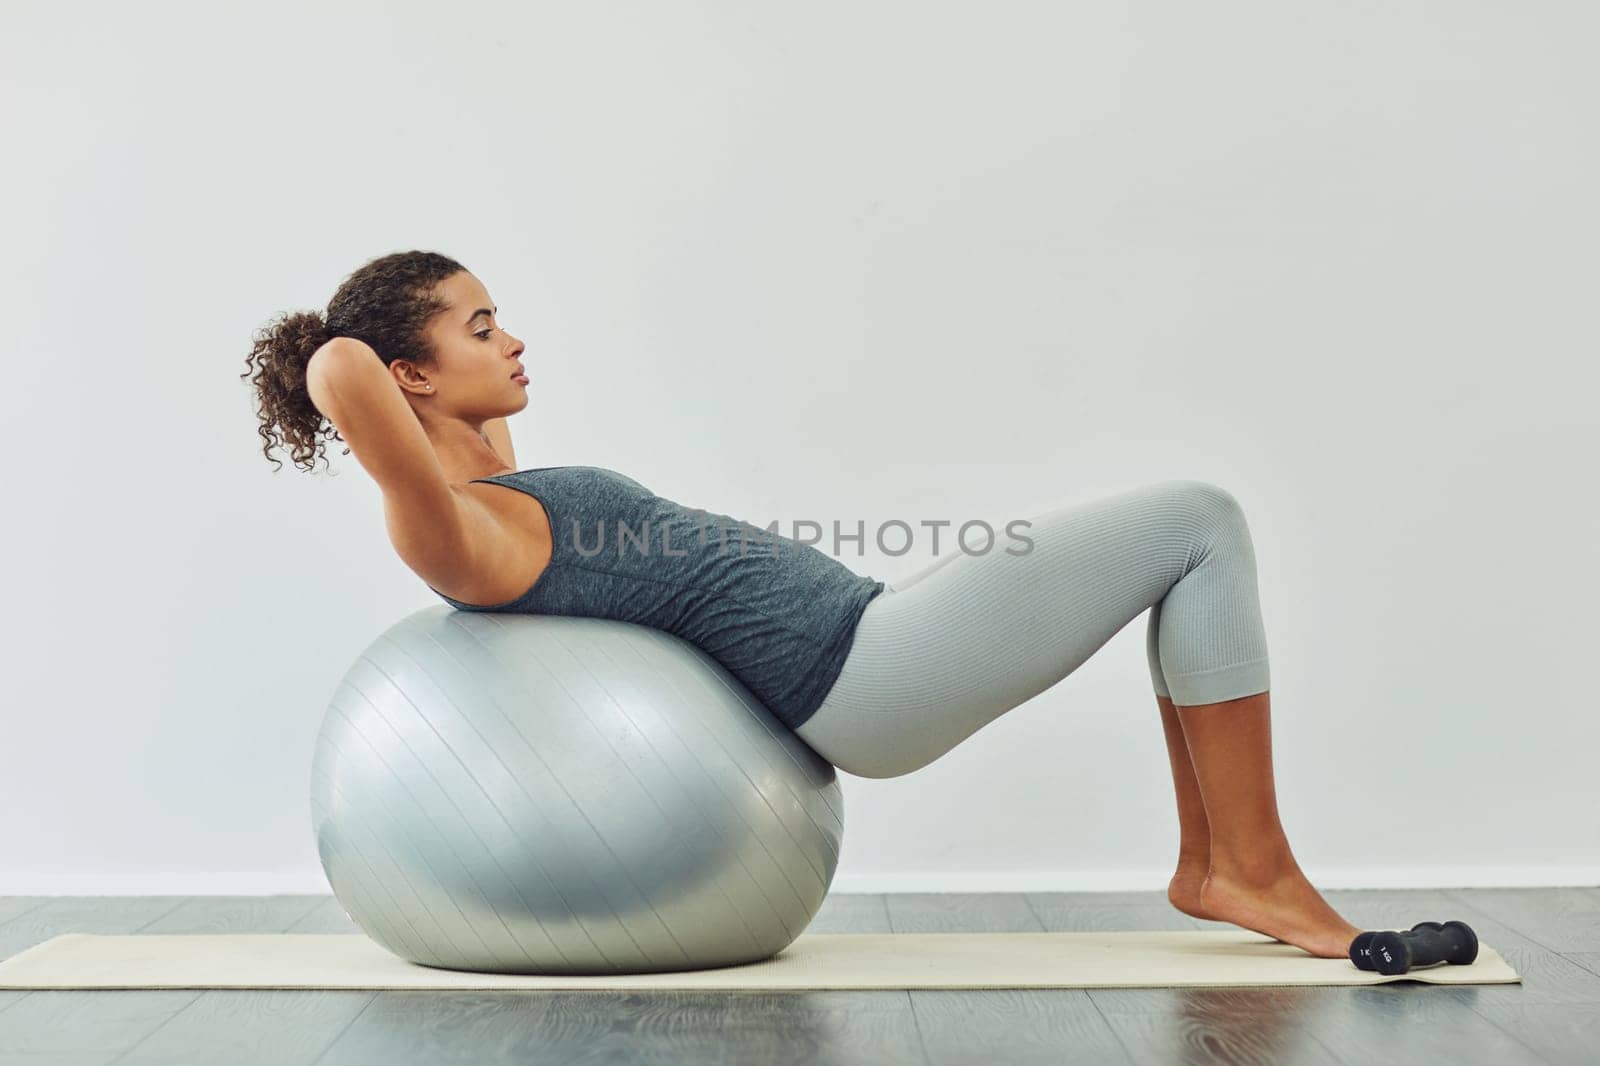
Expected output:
(813, 961)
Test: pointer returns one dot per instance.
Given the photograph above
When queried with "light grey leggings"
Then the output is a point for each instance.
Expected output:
(943, 653)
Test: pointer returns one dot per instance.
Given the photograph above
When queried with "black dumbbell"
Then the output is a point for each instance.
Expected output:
(1425, 944)
(1361, 946)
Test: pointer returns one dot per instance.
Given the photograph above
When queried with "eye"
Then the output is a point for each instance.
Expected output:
(483, 334)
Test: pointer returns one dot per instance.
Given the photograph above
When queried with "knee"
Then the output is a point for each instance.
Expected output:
(1208, 496)
(1209, 502)
(1215, 516)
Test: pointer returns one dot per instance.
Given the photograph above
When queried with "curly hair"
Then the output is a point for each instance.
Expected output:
(386, 303)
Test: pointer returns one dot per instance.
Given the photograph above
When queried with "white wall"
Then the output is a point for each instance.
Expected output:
(830, 261)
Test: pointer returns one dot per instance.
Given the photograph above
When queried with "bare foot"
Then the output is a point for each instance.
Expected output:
(1287, 908)
(1183, 891)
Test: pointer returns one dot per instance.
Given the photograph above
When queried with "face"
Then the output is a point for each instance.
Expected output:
(475, 359)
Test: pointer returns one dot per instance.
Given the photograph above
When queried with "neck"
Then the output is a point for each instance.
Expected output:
(463, 450)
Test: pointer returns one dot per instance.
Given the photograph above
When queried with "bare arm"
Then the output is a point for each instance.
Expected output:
(353, 389)
(499, 435)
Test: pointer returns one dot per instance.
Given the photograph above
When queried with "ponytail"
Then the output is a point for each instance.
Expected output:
(278, 360)
(386, 304)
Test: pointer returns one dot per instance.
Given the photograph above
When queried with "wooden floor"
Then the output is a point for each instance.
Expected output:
(1551, 936)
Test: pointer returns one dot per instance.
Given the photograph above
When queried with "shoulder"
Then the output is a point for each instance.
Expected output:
(504, 543)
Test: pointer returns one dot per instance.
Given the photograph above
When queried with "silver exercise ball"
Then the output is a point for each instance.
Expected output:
(544, 794)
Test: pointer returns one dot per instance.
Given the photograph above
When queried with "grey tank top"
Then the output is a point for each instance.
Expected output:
(778, 614)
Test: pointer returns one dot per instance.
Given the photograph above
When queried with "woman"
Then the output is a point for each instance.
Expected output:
(412, 370)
